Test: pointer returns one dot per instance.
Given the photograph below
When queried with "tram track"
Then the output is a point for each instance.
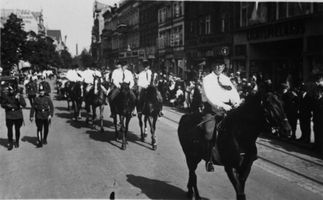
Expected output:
(306, 162)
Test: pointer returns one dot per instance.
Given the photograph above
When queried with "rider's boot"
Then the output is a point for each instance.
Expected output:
(209, 163)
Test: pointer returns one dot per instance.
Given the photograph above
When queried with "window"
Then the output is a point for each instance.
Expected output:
(177, 9)
(246, 9)
(162, 15)
(208, 24)
(282, 10)
(201, 26)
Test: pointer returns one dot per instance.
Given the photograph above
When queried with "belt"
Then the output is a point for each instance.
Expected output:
(14, 109)
(44, 110)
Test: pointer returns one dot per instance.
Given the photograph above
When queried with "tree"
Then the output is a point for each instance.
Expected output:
(13, 39)
(86, 59)
(40, 52)
(66, 58)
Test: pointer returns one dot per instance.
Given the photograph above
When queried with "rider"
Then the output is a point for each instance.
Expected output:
(144, 80)
(217, 93)
(121, 75)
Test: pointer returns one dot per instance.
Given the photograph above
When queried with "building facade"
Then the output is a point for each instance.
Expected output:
(33, 21)
(282, 41)
(171, 38)
(148, 34)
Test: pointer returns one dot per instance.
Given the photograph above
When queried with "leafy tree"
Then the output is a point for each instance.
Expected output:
(86, 59)
(67, 60)
(40, 52)
(13, 39)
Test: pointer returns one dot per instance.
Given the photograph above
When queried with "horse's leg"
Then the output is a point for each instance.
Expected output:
(153, 132)
(88, 110)
(123, 147)
(115, 121)
(75, 109)
(192, 164)
(79, 109)
(146, 128)
(101, 117)
(235, 178)
(141, 128)
(127, 127)
(153, 139)
(244, 172)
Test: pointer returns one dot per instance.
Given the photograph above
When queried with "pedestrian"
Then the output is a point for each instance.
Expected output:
(31, 90)
(305, 114)
(45, 85)
(318, 114)
(218, 91)
(13, 102)
(44, 109)
(290, 104)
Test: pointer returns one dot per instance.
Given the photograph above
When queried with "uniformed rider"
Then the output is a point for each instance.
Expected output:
(219, 96)
(45, 85)
(44, 109)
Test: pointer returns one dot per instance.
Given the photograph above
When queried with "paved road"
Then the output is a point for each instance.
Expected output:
(82, 162)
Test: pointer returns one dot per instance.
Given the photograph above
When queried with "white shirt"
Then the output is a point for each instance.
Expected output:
(72, 75)
(117, 77)
(144, 78)
(87, 76)
(217, 96)
(179, 92)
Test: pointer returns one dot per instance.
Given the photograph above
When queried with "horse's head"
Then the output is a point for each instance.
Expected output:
(274, 113)
(124, 87)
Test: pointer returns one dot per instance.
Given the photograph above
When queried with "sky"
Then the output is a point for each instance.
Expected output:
(73, 17)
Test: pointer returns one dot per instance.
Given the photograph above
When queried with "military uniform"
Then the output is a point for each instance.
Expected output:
(13, 103)
(43, 107)
(31, 91)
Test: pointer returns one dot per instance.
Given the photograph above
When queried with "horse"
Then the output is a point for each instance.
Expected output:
(195, 99)
(148, 106)
(67, 93)
(96, 98)
(236, 138)
(123, 107)
(76, 94)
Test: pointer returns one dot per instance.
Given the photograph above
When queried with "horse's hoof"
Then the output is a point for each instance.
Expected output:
(123, 147)
(154, 147)
(142, 139)
(102, 130)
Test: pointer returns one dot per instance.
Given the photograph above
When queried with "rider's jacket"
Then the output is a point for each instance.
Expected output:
(43, 106)
(144, 78)
(120, 76)
(216, 95)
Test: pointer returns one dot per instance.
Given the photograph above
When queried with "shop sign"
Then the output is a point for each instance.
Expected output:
(276, 30)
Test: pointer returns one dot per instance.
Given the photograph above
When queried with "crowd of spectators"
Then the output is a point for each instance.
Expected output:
(303, 104)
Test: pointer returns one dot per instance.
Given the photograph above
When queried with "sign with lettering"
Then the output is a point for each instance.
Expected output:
(276, 30)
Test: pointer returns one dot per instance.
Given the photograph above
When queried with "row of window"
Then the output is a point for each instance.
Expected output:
(264, 12)
(173, 37)
(172, 10)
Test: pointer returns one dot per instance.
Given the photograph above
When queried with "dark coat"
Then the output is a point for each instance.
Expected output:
(43, 106)
(13, 106)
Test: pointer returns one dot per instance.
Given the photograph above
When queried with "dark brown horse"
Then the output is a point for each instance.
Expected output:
(123, 106)
(236, 139)
(149, 107)
(76, 94)
(96, 97)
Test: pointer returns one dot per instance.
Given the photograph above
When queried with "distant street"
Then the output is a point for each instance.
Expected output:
(81, 162)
